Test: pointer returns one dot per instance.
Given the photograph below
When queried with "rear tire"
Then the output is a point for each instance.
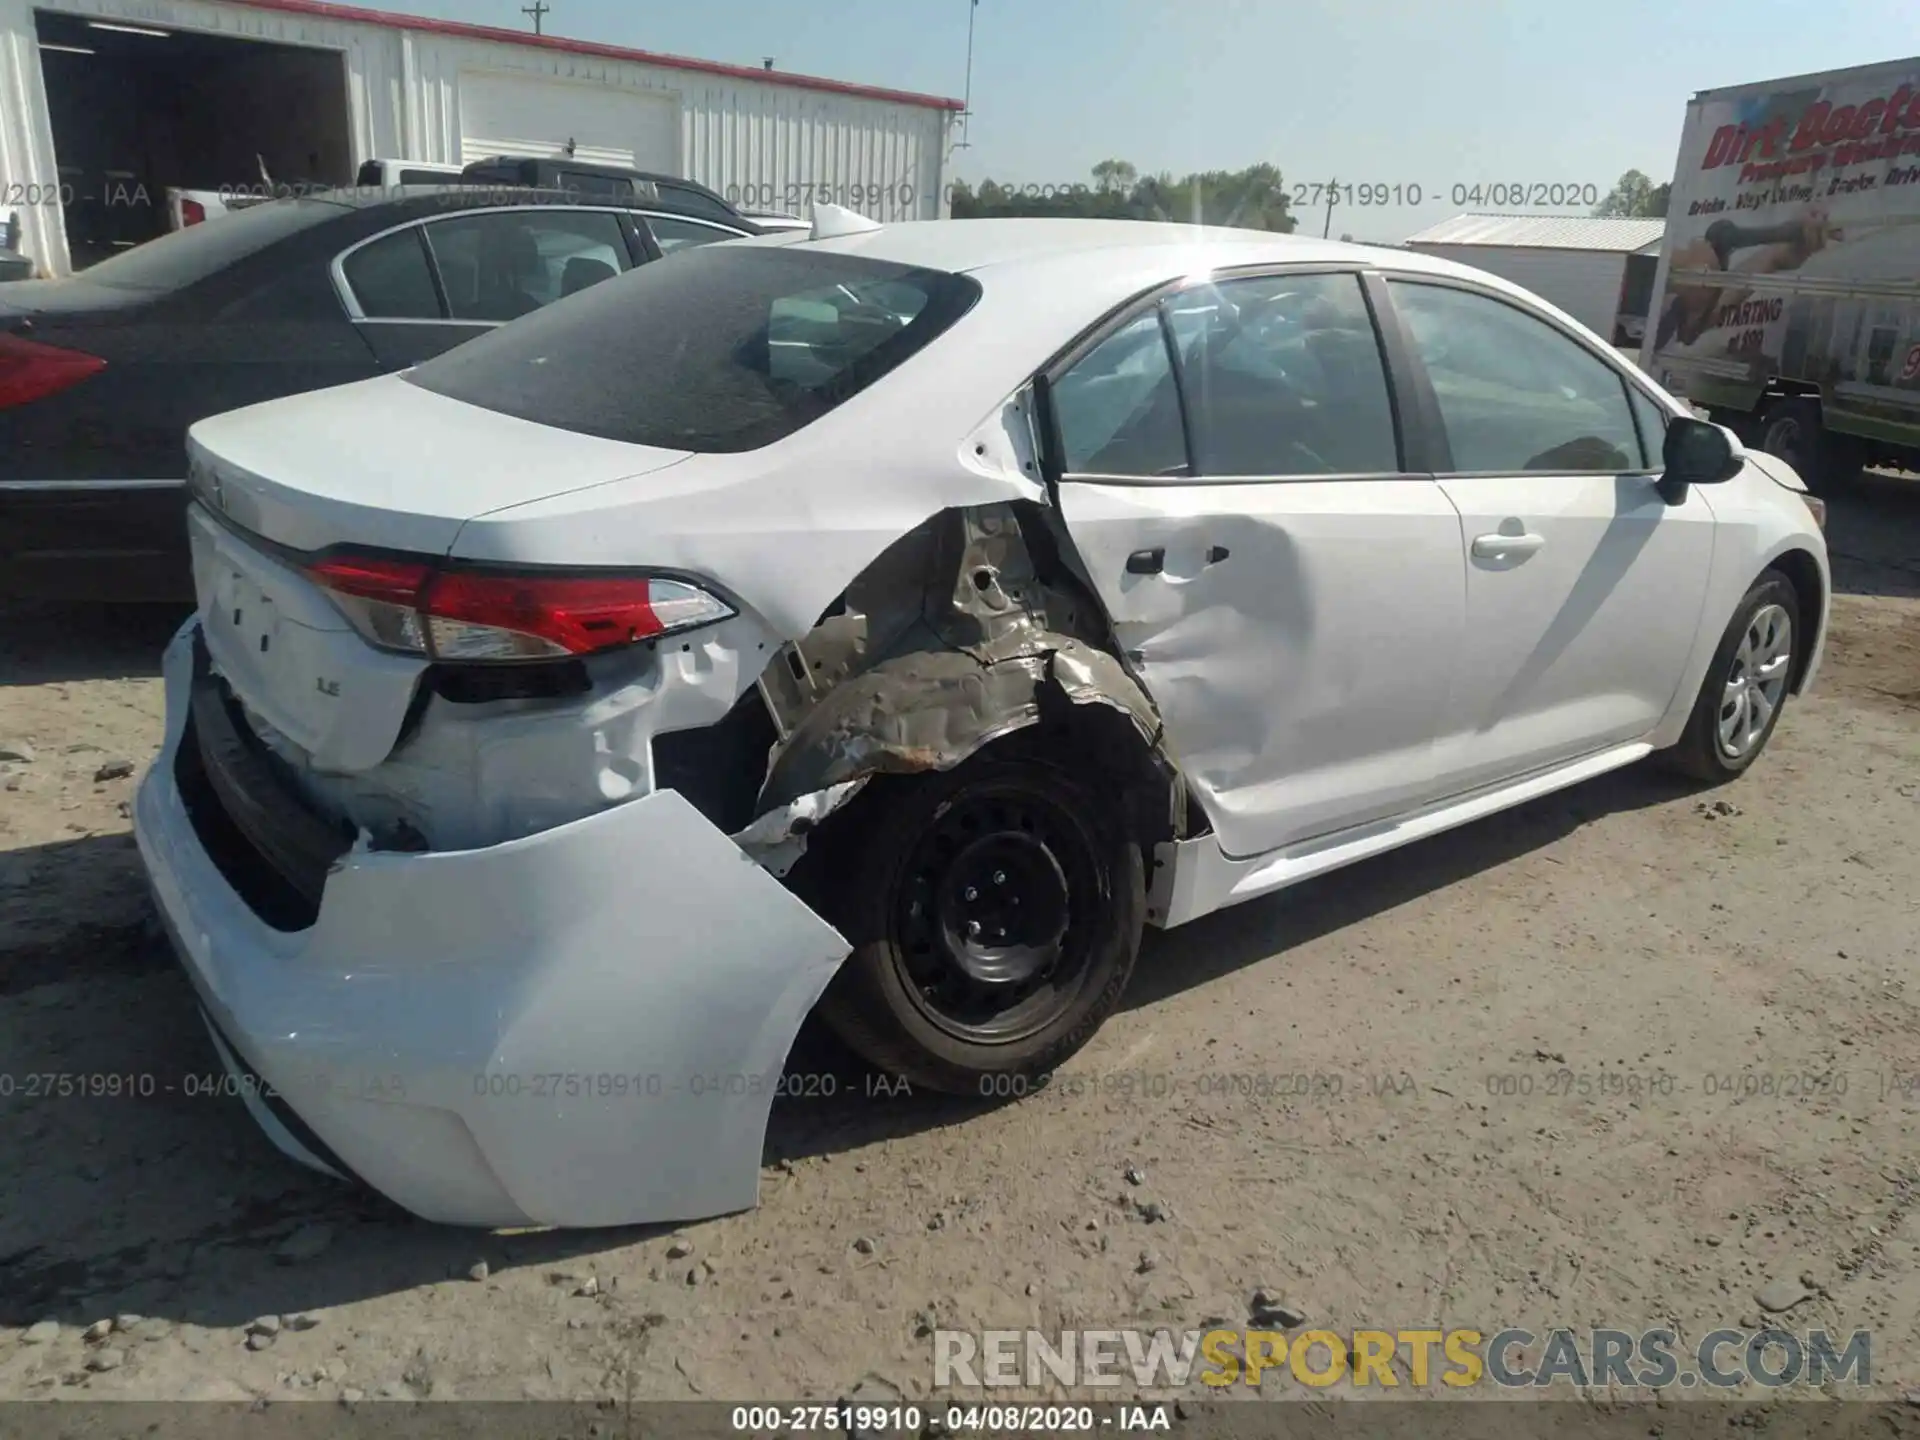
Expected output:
(995, 912)
(1745, 687)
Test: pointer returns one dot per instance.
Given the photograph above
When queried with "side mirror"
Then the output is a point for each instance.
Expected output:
(1697, 452)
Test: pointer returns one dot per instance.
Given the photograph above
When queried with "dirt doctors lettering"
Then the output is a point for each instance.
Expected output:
(1794, 234)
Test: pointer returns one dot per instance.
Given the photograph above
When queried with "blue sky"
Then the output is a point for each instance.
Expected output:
(1433, 93)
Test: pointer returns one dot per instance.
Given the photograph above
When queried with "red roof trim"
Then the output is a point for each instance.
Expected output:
(324, 10)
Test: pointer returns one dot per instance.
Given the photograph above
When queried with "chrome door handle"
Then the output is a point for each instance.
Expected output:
(1501, 547)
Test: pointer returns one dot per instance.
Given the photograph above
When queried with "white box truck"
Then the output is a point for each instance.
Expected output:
(1787, 299)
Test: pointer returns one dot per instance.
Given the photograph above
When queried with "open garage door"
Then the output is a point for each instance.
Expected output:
(529, 115)
(138, 108)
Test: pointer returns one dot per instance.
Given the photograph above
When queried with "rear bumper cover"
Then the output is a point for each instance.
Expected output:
(581, 1028)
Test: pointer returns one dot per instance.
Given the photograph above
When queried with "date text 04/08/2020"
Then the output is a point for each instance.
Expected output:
(121, 1085)
(1303, 194)
(910, 1419)
(653, 1085)
(1473, 194)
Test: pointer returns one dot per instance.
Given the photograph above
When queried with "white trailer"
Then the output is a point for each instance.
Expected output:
(1789, 285)
(1598, 270)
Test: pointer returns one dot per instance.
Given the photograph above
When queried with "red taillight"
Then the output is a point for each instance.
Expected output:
(460, 614)
(192, 212)
(574, 614)
(396, 582)
(31, 371)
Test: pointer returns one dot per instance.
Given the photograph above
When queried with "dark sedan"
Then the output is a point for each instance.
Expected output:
(102, 373)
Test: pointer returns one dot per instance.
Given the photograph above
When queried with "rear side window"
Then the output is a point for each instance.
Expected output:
(188, 256)
(480, 174)
(390, 279)
(672, 235)
(507, 263)
(587, 184)
(694, 202)
(722, 348)
(1118, 409)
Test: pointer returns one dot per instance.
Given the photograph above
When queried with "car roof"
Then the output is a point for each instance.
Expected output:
(410, 202)
(455, 194)
(1088, 267)
(1022, 249)
(587, 167)
(971, 245)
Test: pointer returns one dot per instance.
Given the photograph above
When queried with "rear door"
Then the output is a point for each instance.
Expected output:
(1288, 588)
(1584, 586)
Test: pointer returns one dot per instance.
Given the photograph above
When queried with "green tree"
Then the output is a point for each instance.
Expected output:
(1254, 198)
(1635, 195)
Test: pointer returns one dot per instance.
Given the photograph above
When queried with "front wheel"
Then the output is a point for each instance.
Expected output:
(1745, 687)
(995, 913)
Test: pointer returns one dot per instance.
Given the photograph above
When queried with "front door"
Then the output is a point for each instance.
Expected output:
(1290, 597)
(1584, 586)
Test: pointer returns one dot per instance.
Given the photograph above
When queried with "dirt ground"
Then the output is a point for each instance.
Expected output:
(1463, 1159)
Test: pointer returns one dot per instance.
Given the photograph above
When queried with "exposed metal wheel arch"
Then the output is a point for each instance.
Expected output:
(934, 710)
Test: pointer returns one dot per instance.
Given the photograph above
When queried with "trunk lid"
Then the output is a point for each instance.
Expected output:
(299, 670)
(28, 299)
(379, 464)
(385, 463)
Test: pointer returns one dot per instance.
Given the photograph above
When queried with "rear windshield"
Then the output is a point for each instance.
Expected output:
(716, 348)
(187, 256)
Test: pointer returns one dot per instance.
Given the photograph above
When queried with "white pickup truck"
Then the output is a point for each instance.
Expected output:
(193, 207)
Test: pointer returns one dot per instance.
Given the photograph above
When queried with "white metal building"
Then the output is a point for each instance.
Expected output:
(105, 103)
(1599, 270)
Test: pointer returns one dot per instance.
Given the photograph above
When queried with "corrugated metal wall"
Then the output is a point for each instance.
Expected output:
(769, 147)
(763, 145)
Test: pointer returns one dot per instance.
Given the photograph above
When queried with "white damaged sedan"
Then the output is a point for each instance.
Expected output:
(894, 620)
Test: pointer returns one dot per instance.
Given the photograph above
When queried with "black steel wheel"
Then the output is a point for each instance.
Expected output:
(995, 913)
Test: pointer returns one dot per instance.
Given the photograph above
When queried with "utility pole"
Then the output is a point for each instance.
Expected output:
(966, 103)
(1333, 190)
(536, 10)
